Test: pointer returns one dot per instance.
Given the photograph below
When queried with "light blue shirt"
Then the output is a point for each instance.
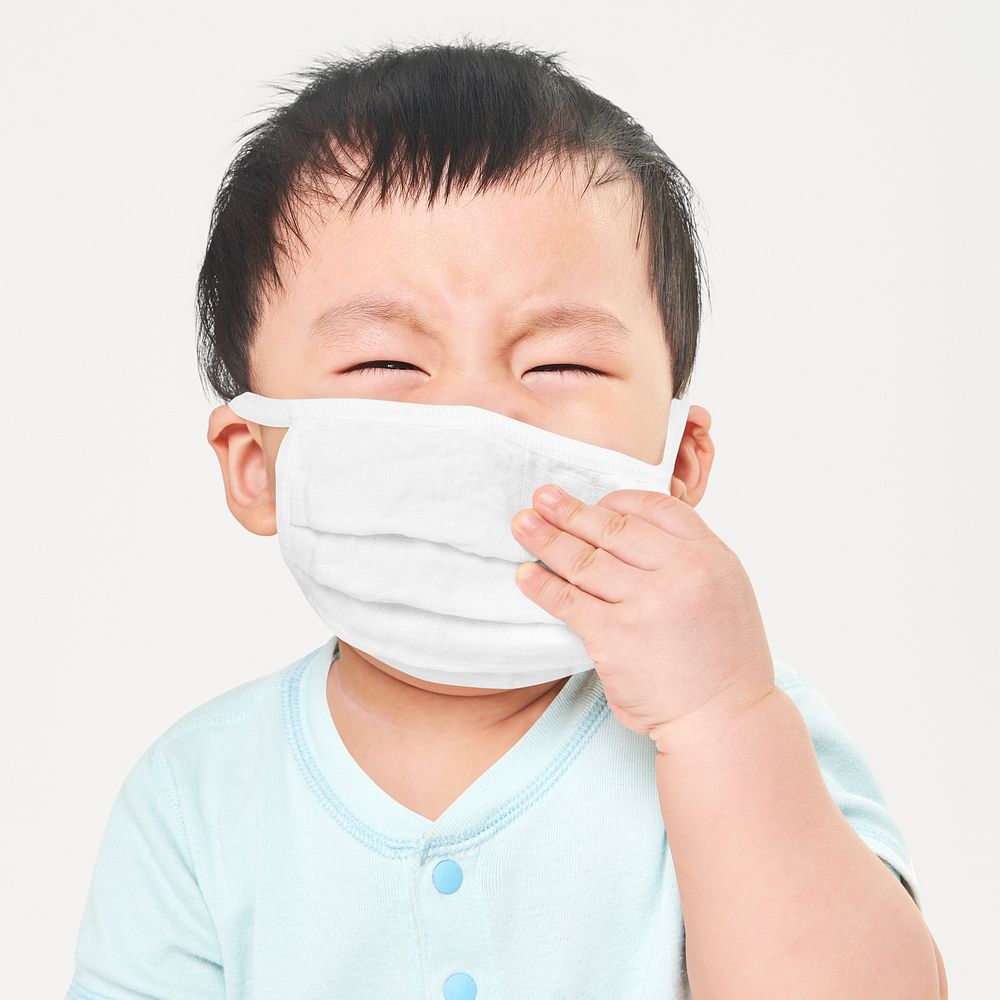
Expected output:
(248, 855)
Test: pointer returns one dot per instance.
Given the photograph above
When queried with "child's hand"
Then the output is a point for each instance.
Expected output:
(664, 608)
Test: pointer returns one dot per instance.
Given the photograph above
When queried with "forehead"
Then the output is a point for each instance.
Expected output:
(551, 211)
(478, 255)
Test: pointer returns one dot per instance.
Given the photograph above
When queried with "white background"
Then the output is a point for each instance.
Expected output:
(845, 157)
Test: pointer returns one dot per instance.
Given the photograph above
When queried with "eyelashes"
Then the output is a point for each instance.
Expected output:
(369, 366)
(582, 369)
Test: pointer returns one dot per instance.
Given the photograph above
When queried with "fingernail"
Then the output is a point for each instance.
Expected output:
(549, 494)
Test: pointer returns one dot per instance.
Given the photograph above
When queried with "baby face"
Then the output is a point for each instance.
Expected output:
(533, 301)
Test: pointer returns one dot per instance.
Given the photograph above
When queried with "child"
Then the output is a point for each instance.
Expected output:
(590, 780)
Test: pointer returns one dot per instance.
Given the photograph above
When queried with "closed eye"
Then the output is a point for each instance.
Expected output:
(582, 369)
(559, 369)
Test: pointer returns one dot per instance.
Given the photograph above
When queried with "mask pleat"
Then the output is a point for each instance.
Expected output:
(421, 574)
(386, 630)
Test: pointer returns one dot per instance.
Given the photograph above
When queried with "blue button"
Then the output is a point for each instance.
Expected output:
(447, 877)
(459, 986)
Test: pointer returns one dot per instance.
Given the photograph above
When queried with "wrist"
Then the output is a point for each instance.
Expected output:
(715, 723)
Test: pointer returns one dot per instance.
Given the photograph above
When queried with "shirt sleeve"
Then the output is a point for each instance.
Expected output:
(146, 931)
(849, 779)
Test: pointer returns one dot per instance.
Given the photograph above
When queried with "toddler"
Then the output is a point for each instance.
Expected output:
(545, 751)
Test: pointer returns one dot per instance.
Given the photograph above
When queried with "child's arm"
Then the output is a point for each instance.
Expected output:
(146, 931)
(780, 895)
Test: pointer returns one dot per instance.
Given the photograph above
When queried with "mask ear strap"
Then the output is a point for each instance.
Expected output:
(265, 410)
(676, 424)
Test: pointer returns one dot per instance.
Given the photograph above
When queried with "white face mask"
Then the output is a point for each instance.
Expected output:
(395, 519)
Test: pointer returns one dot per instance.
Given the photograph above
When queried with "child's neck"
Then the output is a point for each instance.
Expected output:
(393, 701)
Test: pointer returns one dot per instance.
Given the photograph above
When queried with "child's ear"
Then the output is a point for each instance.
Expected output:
(237, 443)
(694, 457)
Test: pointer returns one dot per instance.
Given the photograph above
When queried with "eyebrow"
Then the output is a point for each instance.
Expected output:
(335, 323)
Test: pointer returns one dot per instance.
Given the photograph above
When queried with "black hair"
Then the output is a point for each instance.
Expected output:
(411, 118)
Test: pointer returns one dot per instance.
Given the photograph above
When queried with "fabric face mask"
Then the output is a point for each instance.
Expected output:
(395, 520)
